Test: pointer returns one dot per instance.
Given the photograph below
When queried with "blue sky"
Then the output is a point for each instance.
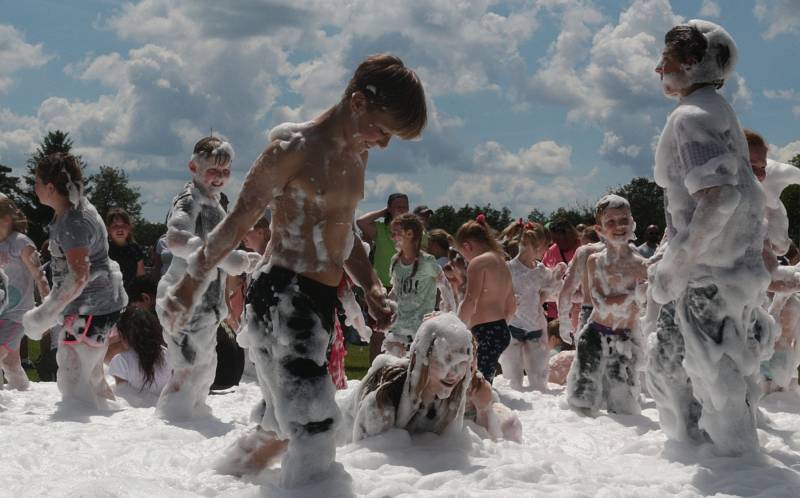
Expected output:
(534, 104)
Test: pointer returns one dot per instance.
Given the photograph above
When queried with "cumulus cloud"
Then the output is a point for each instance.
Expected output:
(709, 8)
(780, 16)
(381, 185)
(786, 153)
(546, 157)
(16, 54)
(788, 94)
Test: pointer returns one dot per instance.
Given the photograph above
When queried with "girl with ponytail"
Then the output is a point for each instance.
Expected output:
(415, 278)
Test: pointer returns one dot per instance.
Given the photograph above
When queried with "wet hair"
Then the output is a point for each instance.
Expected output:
(589, 236)
(687, 43)
(793, 252)
(754, 140)
(262, 222)
(479, 231)
(439, 237)
(63, 171)
(610, 201)
(534, 234)
(208, 147)
(19, 223)
(512, 230)
(389, 201)
(142, 332)
(142, 284)
(393, 88)
(409, 221)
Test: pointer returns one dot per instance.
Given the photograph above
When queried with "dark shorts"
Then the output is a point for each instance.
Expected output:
(492, 338)
(88, 329)
(524, 335)
(289, 338)
(603, 330)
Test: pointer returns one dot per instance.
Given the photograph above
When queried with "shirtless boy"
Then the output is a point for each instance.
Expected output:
(312, 177)
(609, 346)
(574, 289)
(489, 302)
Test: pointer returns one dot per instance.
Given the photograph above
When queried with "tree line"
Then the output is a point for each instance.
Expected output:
(110, 187)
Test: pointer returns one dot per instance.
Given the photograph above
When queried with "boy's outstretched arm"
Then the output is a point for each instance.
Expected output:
(357, 265)
(269, 174)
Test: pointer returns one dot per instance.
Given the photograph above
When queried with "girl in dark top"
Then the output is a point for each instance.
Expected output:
(122, 248)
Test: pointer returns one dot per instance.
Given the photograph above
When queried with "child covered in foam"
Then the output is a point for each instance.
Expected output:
(194, 214)
(609, 348)
(533, 284)
(711, 279)
(87, 293)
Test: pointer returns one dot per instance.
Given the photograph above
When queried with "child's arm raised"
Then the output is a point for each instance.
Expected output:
(268, 175)
(367, 223)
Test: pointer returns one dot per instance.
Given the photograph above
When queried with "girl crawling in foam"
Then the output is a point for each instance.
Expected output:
(429, 390)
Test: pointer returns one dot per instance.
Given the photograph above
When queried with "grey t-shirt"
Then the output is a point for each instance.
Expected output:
(82, 227)
(20, 281)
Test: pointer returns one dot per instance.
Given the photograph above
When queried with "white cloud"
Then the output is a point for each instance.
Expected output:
(16, 54)
(741, 97)
(381, 185)
(785, 153)
(796, 111)
(612, 144)
(546, 157)
(780, 16)
(788, 94)
(709, 8)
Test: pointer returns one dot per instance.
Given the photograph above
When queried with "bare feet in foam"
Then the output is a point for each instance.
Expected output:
(252, 453)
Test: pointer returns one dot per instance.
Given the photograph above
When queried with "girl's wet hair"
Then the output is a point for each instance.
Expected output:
(409, 221)
(142, 332)
(19, 223)
(479, 231)
(687, 43)
(391, 87)
(62, 170)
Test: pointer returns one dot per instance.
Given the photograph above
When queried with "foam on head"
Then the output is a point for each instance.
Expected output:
(610, 201)
(720, 57)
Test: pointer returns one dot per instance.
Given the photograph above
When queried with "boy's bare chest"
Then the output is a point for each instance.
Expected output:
(333, 182)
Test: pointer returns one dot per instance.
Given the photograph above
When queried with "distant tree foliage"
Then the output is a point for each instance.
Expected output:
(450, 219)
(791, 200)
(647, 203)
(9, 185)
(110, 189)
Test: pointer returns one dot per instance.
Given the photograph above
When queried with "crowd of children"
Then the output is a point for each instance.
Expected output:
(446, 310)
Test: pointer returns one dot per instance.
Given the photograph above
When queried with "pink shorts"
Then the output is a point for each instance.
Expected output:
(11, 333)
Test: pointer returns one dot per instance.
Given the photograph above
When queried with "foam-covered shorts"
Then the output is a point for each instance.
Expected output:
(523, 335)
(11, 333)
(92, 330)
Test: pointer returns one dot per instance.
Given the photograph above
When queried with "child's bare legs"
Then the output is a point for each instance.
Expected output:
(80, 374)
(252, 453)
(536, 358)
(11, 367)
(622, 379)
(511, 362)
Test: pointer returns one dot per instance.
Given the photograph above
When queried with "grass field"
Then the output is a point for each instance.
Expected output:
(356, 362)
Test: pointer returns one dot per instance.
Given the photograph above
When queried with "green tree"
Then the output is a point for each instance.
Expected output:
(575, 215)
(537, 216)
(110, 188)
(450, 219)
(9, 185)
(791, 200)
(39, 215)
(647, 203)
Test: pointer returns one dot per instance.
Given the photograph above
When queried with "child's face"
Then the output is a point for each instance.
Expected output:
(373, 126)
(119, 231)
(212, 176)
(402, 238)
(255, 238)
(445, 373)
(674, 79)
(44, 192)
(616, 225)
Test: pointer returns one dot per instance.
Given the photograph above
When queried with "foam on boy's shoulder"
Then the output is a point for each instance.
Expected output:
(287, 131)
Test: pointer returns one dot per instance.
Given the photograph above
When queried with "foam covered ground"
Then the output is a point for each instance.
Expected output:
(49, 449)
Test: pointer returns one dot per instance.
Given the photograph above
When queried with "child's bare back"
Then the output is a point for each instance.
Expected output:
(496, 287)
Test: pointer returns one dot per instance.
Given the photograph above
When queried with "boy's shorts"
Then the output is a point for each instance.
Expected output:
(11, 333)
(89, 329)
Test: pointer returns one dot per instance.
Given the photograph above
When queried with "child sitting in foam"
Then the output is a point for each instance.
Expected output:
(425, 392)
(143, 363)
(533, 284)
(609, 349)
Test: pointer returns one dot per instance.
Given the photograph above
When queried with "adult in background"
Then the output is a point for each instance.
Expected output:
(565, 241)
(652, 235)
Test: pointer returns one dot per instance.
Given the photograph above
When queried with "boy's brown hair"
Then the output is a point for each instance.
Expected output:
(208, 147)
(18, 221)
(393, 88)
(62, 170)
(755, 140)
(609, 201)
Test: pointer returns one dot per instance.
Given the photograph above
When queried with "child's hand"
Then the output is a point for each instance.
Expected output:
(669, 277)
(36, 323)
(381, 308)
